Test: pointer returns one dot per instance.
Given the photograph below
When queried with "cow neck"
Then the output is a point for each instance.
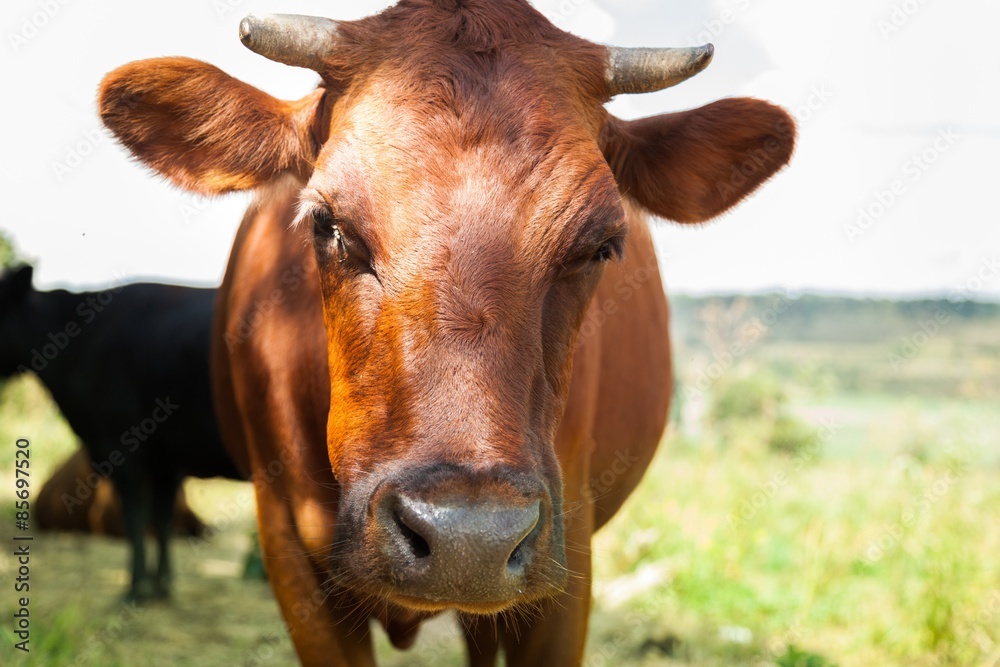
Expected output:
(49, 315)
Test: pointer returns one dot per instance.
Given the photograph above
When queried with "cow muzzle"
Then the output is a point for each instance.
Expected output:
(479, 552)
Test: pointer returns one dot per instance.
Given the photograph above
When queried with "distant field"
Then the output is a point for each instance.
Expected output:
(812, 506)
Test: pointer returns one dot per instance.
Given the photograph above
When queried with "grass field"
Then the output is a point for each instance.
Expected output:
(812, 506)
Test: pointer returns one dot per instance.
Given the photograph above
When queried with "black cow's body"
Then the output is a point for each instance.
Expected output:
(129, 369)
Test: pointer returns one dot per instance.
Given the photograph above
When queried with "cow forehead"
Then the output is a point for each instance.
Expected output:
(522, 172)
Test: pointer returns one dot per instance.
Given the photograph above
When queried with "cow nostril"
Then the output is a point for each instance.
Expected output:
(516, 559)
(418, 545)
(519, 556)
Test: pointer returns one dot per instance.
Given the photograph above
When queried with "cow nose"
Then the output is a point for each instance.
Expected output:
(457, 551)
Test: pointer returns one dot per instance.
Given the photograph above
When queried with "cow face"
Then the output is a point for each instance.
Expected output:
(463, 184)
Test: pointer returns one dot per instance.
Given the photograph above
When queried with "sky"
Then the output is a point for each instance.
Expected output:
(891, 191)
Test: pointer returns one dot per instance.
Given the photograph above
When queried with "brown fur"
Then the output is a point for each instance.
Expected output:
(681, 165)
(235, 138)
(97, 511)
(464, 153)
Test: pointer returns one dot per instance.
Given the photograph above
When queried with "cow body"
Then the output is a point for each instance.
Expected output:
(440, 347)
(129, 369)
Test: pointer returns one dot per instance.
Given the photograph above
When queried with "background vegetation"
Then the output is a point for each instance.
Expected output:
(827, 495)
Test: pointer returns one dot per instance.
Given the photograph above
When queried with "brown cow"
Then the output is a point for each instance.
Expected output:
(68, 502)
(433, 226)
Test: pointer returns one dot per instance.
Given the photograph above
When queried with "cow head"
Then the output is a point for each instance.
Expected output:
(15, 316)
(464, 186)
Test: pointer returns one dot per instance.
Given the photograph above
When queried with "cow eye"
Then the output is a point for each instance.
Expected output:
(323, 222)
(609, 250)
(338, 243)
(326, 229)
(344, 248)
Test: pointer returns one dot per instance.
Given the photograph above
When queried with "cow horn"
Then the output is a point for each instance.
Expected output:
(648, 70)
(292, 39)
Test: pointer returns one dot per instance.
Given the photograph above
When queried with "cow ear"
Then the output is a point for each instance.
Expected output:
(693, 165)
(205, 130)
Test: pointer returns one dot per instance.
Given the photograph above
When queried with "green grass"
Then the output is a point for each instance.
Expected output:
(27, 411)
(818, 562)
(873, 542)
(73, 634)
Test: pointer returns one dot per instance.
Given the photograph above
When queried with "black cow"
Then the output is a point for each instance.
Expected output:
(129, 368)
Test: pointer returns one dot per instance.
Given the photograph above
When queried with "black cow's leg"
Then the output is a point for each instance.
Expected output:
(164, 500)
(135, 512)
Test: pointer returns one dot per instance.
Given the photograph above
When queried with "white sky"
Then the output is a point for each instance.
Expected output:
(879, 98)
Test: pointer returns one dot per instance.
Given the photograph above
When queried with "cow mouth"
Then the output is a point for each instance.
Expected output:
(437, 606)
(383, 592)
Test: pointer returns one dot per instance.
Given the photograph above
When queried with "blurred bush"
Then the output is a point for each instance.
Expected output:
(7, 254)
(750, 410)
(795, 658)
